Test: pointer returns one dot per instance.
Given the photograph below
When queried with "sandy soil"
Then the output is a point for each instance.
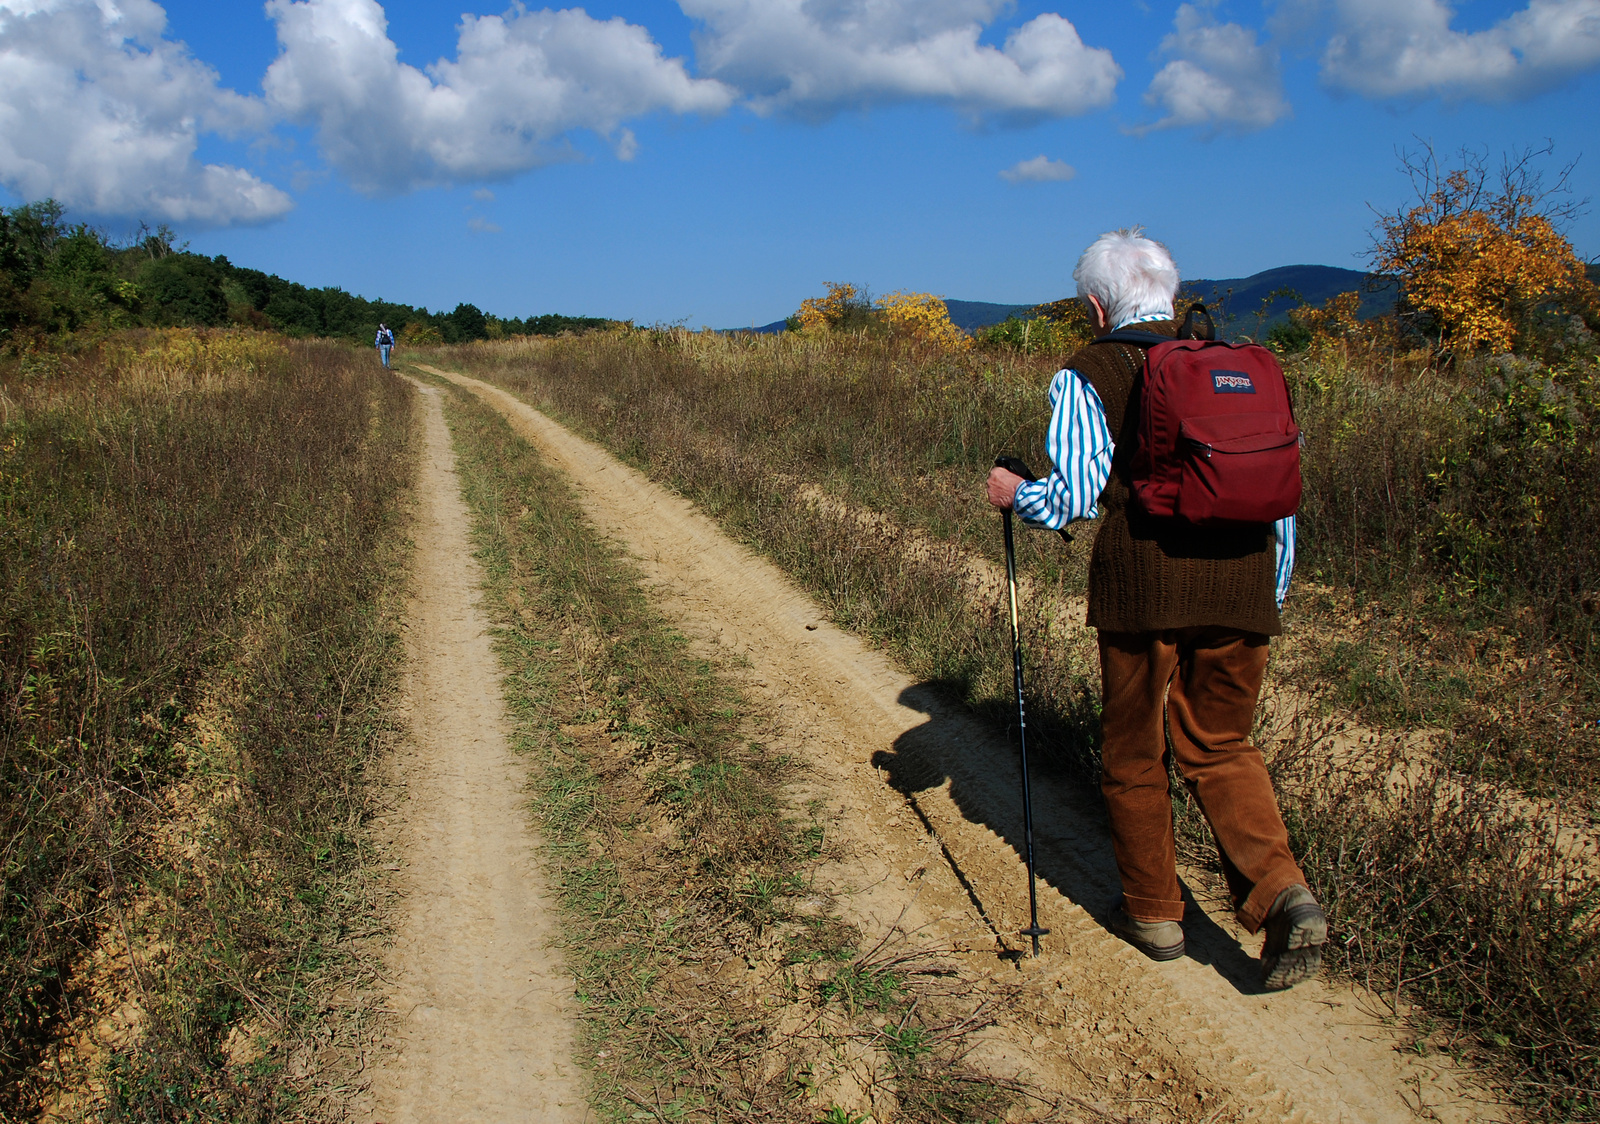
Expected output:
(924, 801)
(482, 1006)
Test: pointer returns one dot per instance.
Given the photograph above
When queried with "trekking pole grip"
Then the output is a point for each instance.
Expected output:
(1015, 466)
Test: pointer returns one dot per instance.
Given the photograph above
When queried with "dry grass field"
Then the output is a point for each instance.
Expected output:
(204, 541)
(198, 545)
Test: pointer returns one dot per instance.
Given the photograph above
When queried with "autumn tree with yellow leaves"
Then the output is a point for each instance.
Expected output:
(843, 307)
(1479, 253)
(924, 318)
(1339, 318)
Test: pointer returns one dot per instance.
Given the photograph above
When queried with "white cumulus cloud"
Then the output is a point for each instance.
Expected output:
(814, 58)
(1220, 77)
(1408, 48)
(518, 83)
(1041, 169)
(99, 110)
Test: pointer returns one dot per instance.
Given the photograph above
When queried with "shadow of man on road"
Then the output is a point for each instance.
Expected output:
(1072, 840)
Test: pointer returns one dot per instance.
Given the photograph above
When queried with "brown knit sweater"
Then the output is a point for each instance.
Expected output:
(1148, 574)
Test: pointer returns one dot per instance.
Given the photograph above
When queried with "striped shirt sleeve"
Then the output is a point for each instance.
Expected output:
(1079, 444)
(1284, 530)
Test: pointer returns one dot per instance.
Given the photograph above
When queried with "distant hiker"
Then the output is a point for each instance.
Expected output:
(1184, 614)
(384, 342)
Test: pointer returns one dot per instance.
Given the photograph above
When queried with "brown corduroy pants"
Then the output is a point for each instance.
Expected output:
(1197, 687)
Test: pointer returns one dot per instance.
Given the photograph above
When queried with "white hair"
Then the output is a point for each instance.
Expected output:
(1130, 275)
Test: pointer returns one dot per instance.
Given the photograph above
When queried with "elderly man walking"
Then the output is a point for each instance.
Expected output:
(1184, 614)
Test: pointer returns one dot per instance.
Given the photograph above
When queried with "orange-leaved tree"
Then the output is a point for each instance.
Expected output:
(1338, 318)
(923, 317)
(1477, 254)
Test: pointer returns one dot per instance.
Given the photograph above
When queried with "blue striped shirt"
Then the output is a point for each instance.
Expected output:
(1080, 448)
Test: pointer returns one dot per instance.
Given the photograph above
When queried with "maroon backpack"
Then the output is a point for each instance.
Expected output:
(1217, 442)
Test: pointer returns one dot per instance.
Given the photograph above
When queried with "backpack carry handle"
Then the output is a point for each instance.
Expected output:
(1187, 332)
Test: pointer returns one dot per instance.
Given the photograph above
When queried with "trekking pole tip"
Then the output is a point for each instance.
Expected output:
(1035, 931)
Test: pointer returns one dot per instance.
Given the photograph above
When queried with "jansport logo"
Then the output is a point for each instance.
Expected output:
(1232, 382)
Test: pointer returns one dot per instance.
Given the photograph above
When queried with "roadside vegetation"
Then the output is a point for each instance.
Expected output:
(200, 538)
(1445, 600)
(923, 318)
(714, 979)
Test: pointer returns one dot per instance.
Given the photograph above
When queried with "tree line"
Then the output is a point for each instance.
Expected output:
(59, 277)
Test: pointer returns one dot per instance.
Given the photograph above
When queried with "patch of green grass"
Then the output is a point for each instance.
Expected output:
(1392, 684)
(907, 1043)
(860, 988)
(763, 898)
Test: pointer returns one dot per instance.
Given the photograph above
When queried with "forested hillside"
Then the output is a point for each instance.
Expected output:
(58, 277)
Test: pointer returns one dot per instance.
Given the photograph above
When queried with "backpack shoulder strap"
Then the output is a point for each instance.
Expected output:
(1135, 337)
(1188, 331)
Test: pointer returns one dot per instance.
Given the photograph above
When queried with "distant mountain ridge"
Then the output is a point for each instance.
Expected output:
(1244, 299)
(1241, 300)
(969, 316)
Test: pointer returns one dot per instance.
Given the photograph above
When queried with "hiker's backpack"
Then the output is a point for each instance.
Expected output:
(386, 337)
(1217, 441)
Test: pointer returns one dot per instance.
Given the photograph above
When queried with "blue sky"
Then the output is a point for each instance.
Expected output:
(715, 161)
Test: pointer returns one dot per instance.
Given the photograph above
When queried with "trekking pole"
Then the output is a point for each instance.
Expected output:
(1013, 465)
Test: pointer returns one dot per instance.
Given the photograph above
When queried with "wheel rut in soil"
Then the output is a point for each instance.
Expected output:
(924, 802)
(482, 1008)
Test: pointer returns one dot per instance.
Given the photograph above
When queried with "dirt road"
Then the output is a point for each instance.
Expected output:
(481, 1002)
(924, 801)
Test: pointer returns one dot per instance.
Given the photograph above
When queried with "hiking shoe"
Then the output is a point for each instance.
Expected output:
(1296, 928)
(1159, 940)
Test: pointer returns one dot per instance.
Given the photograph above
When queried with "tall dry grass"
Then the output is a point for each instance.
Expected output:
(196, 532)
(1437, 607)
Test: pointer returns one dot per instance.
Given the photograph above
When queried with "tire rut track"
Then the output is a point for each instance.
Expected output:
(482, 1008)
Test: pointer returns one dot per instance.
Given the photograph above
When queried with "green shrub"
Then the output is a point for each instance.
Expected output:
(1034, 334)
(1289, 337)
(1518, 516)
